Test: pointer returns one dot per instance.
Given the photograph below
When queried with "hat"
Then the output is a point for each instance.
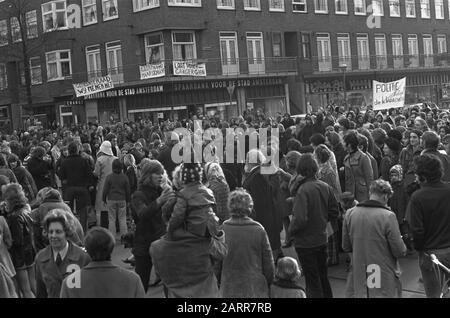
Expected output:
(152, 166)
(106, 148)
(191, 172)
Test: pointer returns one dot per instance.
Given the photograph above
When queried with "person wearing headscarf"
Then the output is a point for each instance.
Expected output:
(219, 186)
(103, 168)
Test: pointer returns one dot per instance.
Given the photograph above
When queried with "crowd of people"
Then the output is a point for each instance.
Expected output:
(366, 188)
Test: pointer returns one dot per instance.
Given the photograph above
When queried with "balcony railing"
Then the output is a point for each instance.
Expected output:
(214, 68)
(379, 62)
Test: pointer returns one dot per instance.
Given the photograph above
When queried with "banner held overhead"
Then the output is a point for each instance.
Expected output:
(389, 95)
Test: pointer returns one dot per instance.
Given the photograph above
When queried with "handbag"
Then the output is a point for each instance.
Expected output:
(218, 249)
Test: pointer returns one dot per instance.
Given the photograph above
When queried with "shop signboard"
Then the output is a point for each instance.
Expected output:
(97, 85)
(184, 68)
(389, 95)
(152, 71)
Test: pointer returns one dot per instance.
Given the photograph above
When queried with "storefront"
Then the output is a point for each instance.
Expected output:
(419, 88)
(178, 100)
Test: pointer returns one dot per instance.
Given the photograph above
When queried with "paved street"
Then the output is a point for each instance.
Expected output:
(337, 275)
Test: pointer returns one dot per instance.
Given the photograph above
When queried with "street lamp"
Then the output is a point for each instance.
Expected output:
(343, 68)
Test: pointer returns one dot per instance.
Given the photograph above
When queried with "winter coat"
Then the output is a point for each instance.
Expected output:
(148, 218)
(358, 175)
(5, 244)
(21, 226)
(264, 211)
(103, 168)
(25, 179)
(221, 192)
(193, 211)
(407, 156)
(248, 269)
(41, 172)
(49, 276)
(9, 174)
(371, 233)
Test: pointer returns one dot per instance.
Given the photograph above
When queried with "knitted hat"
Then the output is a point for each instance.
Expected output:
(398, 170)
(191, 172)
(151, 167)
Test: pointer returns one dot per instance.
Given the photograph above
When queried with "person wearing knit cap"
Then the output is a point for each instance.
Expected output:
(194, 207)
(399, 201)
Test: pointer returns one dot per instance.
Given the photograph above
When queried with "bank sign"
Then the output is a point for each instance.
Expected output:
(95, 86)
(389, 95)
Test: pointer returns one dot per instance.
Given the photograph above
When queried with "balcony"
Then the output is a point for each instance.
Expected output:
(380, 62)
(215, 68)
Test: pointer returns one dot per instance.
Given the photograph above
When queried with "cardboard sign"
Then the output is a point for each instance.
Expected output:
(152, 71)
(389, 95)
(95, 86)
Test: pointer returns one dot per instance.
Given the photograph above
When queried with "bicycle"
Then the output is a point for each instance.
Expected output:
(445, 283)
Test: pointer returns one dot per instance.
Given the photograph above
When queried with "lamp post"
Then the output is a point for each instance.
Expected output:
(343, 68)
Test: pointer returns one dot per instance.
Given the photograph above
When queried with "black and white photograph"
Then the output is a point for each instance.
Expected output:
(236, 151)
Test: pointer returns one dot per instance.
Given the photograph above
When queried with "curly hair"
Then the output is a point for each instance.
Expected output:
(381, 187)
(240, 203)
(429, 168)
(14, 195)
(58, 216)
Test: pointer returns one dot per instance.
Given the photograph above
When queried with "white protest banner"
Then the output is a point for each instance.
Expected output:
(389, 95)
(183, 68)
(97, 85)
(152, 71)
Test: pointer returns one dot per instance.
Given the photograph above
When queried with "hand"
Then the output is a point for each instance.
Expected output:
(165, 196)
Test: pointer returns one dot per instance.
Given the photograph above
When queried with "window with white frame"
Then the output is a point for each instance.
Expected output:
(252, 5)
(377, 8)
(276, 5)
(35, 70)
(299, 6)
(3, 77)
(110, 10)
(54, 15)
(31, 23)
(341, 6)
(362, 45)
(154, 48)
(439, 9)
(15, 30)
(321, 6)
(139, 5)
(93, 62)
(324, 52)
(185, 3)
(89, 12)
(3, 32)
(114, 60)
(394, 8)
(225, 4)
(425, 9)
(344, 51)
(183, 45)
(277, 44)
(397, 45)
(410, 8)
(427, 45)
(442, 43)
(360, 7)
(59, 65)
(413, 50)
(380, 51)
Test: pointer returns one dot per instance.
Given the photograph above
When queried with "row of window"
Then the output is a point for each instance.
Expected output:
(363, 56)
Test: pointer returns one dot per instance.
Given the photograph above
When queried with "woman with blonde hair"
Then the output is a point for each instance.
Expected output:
(131, 171)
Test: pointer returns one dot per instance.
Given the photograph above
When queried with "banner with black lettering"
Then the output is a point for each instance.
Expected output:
(97, 85)
(389, 95)
(152, 71)
(184, 68)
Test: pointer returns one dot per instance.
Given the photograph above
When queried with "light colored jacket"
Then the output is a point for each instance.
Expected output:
(103, 168)
(248, 269)
(358, 175)
(371, 234)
